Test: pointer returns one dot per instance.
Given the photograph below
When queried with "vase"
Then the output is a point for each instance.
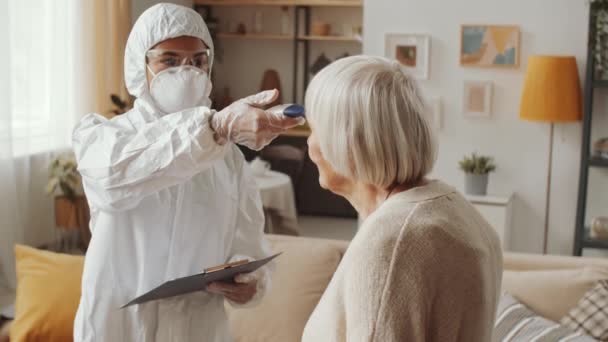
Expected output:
(72, 214)
(599, 228)
(476, 184)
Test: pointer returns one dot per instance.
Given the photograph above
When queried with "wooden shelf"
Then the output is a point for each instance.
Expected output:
(600, 84)
(243, 3)
(330, 3)
(297, 133)
(589, 242)
(317, 3)
(254, 36)
(595, 243)
(598, 162)
(331, 38)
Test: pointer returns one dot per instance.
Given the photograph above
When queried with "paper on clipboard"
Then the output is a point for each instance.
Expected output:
(199, 282)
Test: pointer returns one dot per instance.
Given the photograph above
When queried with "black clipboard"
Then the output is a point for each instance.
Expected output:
(199, 282)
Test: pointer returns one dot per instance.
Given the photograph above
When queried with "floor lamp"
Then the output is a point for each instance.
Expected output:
(551, 94)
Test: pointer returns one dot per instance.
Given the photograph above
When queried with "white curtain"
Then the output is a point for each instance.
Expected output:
(45, 87)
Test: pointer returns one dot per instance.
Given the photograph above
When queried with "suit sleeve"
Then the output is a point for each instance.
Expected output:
(120, 164)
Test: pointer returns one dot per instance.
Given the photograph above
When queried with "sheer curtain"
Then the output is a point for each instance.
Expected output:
(62, 59)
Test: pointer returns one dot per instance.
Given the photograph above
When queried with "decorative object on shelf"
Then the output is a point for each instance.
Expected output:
(258, 20)
(320, 28)
(358, 31)
(489, 46)
(224, 101)
(599, 40)
(271, 80)
(321, 62)
(434, 108)
(599, 228)
(121, 106)
(285, 21)
(412, 51)
(477, 99)
(600, 148)
(241, 29)
(476, 173)
(343, 56)
(551, 94)
(71, 208)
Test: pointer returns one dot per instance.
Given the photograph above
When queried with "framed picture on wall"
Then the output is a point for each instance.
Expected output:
(491, 46)
(412, 51)
(477, 99)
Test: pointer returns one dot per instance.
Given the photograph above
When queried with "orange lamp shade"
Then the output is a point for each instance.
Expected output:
(551, 91)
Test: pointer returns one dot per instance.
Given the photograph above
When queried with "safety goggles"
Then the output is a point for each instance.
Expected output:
(160, 59)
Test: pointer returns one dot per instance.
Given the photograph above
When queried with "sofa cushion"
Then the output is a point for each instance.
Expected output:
(517, 323)
(590, 316)
(552, 293)
(302, 273)
(48, 293)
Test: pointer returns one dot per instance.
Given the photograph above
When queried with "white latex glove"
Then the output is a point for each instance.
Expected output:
(244, 123)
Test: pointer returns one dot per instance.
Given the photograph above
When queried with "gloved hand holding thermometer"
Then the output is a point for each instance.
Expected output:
(245, 123)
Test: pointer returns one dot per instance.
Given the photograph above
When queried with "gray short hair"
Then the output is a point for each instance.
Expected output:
(371, 121)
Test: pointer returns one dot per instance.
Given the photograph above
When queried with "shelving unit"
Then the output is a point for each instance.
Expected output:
(331, 38)
(582, 239)
(255, 36)
(598, 162)
(301, 40)
(318, 3)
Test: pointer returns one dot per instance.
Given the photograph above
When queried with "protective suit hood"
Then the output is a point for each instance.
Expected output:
(158, 23)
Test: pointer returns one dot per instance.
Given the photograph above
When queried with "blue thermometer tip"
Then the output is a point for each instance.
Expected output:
(294, 111)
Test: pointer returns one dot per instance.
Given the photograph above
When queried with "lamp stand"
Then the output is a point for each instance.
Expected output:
(548, 199)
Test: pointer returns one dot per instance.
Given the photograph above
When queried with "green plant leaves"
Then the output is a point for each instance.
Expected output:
(478, 165)
(63, 173)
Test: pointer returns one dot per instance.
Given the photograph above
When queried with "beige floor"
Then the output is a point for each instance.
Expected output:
(327, 227)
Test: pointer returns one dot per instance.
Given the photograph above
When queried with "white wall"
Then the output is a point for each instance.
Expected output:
(520, 148)
(138, 6)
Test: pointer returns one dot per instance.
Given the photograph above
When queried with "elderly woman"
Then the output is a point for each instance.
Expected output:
(424, 265)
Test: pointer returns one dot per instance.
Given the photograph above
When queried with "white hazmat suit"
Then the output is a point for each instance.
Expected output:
(166, 201)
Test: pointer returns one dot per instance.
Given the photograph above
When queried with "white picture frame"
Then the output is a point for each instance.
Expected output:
(477, 99)
(412, 51)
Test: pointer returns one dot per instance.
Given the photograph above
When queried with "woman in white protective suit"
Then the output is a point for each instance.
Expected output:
(170, 194)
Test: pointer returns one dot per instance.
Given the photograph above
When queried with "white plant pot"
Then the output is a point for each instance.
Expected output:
(476, 184)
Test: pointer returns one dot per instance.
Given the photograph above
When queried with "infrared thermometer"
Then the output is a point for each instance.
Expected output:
(289, 110)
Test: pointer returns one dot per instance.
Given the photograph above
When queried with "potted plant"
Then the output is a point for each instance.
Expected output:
(71, 208)
(476, 170)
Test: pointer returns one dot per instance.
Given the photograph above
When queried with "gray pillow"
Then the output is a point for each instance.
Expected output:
(517, 323)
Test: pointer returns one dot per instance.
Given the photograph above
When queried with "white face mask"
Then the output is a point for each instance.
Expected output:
(179, 88)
